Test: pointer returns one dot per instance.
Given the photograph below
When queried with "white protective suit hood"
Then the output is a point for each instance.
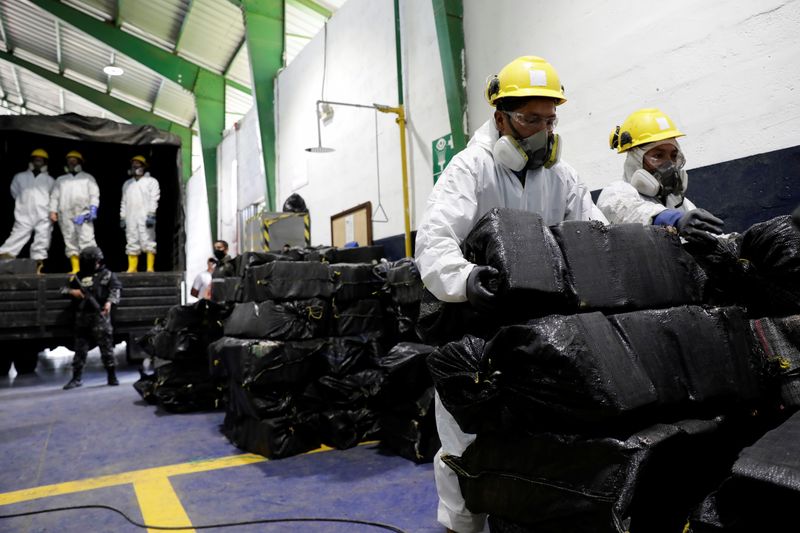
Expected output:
(635, 162)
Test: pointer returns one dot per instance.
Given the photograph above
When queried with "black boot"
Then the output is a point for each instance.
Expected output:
(75, 381)
(112, 376)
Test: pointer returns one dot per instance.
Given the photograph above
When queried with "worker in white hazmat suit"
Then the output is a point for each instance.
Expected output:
(73, 204)
(137, 214)
(512, 161)
(653, 187)
(31, 191)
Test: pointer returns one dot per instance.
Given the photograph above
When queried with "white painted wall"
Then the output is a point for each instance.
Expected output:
(361, 69)
(728, 72)
(198, 228)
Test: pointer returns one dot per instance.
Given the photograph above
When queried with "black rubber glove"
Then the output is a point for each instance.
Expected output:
(796, 216)
(697, 224)
(482, 288)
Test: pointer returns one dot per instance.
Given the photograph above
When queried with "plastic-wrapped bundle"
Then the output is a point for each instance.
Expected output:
(17, 266)
(363, 316)
(348, 355)
(287, 280)
(292, 434)
(774, 248)
(442, 322)
(359, 254)
(252, 363)
(290, 320)
(226, 289)
(184, 387)
(199, 316)
(182, 345)
(351, 391)
(404, 282)
(246, 260)
(145, 386)
(406, 376)
(412, 435)
(261, 402)
(533, 277)
(355, 282)
(628, 266)
(779, 343)
(343, 429)
(763, 490)
(554, 483)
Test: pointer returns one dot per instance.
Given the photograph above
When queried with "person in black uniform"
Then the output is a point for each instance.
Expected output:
(93, 290)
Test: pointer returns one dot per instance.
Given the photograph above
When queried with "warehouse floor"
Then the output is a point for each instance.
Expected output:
(104, 445)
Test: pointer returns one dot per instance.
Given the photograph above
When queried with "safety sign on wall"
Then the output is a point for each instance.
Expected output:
(443, 151)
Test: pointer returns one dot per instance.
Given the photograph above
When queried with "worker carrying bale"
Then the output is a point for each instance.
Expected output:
(653, 187)
(93, 290)
(74, 202)
(137, 214)
(511, 161)
(31, 191)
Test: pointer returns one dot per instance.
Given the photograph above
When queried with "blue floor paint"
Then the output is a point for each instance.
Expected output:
(48, 435)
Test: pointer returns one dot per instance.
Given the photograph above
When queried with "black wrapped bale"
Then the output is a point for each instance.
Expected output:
(352, 391)
(403, 282)
(628, 266)
(533, 277)
(355, 282)
(17, 266)
(203, 315)
(226, 289)
(554, 483)
(763, 490)
(145, 386)
(182, 345)
(359, 254)
(290, 320)
(185, 387)
(442, 322)
(287, 280)
(406, 376)
(343, 429)
(411, 433)
(778, 340)
(348, 355)
(774, 248)
(250, 259)
(274, 438)
(356, 318)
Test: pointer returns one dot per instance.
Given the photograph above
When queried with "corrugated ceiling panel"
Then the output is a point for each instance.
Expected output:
(159, 18)
(83, 54)
(240, 68)
(175, 104)
(7, 81)
(303, 21)
(212, 33)
(29, 28)
(105, 9)
(40, 91)
(293, 47)
(137, 81)
(76, 104)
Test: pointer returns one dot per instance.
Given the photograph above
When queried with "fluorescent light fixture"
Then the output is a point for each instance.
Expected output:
(113, 70)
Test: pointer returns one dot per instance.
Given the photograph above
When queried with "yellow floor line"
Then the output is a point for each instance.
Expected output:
(160, 505)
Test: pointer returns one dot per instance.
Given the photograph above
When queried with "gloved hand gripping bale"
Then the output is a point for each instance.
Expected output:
(93, 290)
(482, 288)
(698, 225)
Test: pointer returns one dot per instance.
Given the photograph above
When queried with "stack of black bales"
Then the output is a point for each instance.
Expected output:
(181, 381)
(602, 382)
(404, 291)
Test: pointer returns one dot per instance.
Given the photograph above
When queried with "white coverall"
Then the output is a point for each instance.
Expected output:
(31, 213)
(621, 203)
(72, 195)
(139, 200)
(471, 185)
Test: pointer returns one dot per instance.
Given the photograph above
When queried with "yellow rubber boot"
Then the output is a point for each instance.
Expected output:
(133, 263)
(151, 262)
(76, 265)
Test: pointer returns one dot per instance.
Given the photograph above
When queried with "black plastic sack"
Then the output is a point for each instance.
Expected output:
(359, 254)
(355, 282)
(774, 248)
(533, 276)
(412, 433)
(318, 253)
(778, 340)
(466, 385)
(17, 266)
(274, 438)
(202, 315)
(356, 318)
(253, 363)
(348, 355)
(291, 320)
(182, 345)
(185, 387)
(554, 483)
(442, 322)
(351, 391)
(403, 282)
(145, 386)
(261, 402)
(343, 429)
(287, 280)
(226, 289)
(250, 259)
(406, 375)
(628, 266)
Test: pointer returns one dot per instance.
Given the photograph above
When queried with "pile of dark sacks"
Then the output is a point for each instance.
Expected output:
(607, 394)
(312, 354)
(181, 380)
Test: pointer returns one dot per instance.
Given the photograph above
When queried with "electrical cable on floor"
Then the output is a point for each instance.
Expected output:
(208, 526)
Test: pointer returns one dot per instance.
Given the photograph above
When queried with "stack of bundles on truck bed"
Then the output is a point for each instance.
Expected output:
(181, 381)
(572, 267)
(762, 491)
(759, 269)
(405, 403)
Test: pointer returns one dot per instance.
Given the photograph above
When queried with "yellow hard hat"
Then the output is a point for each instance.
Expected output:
(526, 76)
(139, 158)
(642, 127)
(74, 153)
(39, 152)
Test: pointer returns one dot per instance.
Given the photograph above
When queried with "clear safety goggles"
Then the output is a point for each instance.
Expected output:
(533, 121)
(658, 158)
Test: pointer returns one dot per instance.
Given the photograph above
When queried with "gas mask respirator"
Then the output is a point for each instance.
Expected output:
(74, 170)
(541, 149)
(136, 172)
(664, 181)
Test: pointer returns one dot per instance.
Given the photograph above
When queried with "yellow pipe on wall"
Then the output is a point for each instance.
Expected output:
(401, 121)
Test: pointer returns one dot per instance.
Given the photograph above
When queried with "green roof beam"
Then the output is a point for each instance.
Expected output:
(448, 16)
(209, 99)
(238, 86)
(264, 22)
(118, 14)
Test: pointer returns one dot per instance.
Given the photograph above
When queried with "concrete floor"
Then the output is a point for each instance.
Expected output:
(49, 436)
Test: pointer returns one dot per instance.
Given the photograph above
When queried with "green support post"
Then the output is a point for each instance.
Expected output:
(448, 16)
(264, 26)
(131, 113)
(186, 149)
(209, 99)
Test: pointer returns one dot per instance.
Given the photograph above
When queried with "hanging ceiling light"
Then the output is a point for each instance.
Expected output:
(113, 70)
(319, 149)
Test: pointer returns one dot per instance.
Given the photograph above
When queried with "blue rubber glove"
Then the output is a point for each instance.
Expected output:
(79, 219)
(92, 213)
(151, 221)
(122, 223)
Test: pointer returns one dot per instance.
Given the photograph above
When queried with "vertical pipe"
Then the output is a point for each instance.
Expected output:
(401, 121)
